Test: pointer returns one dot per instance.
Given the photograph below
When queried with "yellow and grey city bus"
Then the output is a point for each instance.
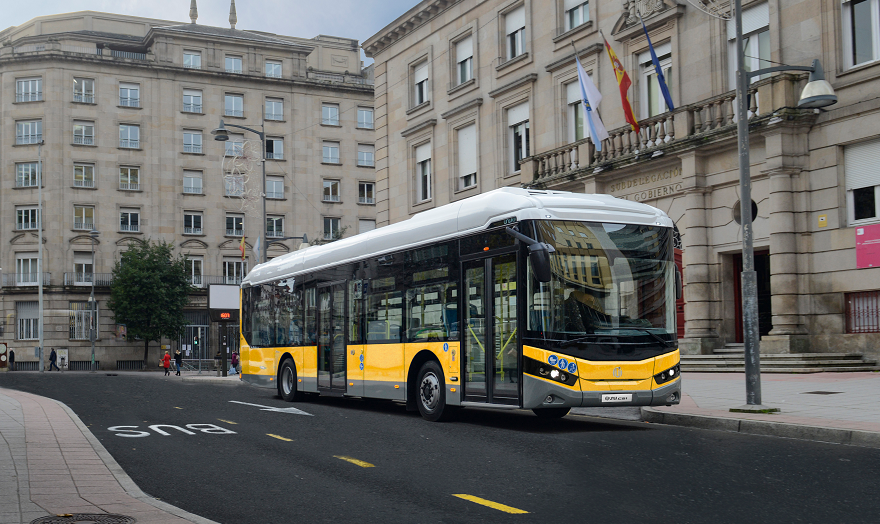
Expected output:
(515, 298)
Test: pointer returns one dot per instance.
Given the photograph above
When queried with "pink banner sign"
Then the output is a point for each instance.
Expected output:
(868, 246)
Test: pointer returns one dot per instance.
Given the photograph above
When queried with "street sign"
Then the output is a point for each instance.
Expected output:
(223, 301)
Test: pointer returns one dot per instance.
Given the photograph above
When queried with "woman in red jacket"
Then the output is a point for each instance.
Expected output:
(166, 363)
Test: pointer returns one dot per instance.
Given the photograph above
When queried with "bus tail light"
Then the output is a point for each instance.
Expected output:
(668, 375)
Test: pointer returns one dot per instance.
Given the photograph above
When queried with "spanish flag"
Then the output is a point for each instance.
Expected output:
(241, 247)
(623, 83)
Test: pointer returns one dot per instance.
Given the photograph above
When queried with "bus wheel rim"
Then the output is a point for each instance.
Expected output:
(429, 391)
(287, 382)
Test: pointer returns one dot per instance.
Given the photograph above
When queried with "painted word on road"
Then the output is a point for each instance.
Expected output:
(270, 408)
(133, 432)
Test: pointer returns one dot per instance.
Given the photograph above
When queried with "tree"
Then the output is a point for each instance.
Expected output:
(149, 291)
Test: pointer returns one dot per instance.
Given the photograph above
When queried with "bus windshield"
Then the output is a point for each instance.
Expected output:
(612, 290)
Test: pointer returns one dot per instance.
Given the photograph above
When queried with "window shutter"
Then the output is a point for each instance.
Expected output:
(573, 92)
(423, 152)
(81, 257)
(517, 114)
(571, 4)
(365, 148)
(421, 72)
(467, 150)
(27, 309)
(753, 19)
(515, 20)
(464, 49)
(861, 161)
(661, 50)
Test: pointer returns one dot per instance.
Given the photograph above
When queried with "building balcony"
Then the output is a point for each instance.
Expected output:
(690, 126)
(25, 226)
(275, 156)
(29, 97)
(13, 280)
(83, 224)
(129, 228)
(84, 98)
(129, 186)
(192, 190)
(128, 143)
(192, 108)
(130, 102)
(83, 183)
(275, 234)
(28, 139)
(192, 148)
(192, 231)
(86, 279)
(84, 140)
(234, 232)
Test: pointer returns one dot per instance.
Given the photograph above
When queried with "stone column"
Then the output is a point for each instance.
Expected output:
(701, 335)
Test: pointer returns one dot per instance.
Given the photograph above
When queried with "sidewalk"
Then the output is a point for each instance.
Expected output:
(842, 408)
(40, 477)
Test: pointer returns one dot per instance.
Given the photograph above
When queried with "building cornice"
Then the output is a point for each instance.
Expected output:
(562, 62)
(407, 23)
(519, 82)
(418, 127)
(476, 102)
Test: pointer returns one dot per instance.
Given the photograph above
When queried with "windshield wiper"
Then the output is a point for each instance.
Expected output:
(588, 337)
(666, 343)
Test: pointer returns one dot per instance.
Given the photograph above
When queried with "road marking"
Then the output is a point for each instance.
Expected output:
(227, 421)
(279, 437)
(270, 408)
(360, 463)
(489, 503)
(175, 407)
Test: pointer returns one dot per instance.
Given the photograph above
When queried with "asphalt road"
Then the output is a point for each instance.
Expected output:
(352, 460)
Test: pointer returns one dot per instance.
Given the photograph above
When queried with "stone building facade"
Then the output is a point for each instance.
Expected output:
(474, 95)
(124, 107)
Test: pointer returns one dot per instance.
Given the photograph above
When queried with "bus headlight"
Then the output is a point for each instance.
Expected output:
(668, 375)
(546, 371)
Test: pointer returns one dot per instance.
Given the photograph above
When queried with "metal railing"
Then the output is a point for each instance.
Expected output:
(233, 70)
(82, 365)
(233, 112)
(192, 190)
(129, 186)
(25, 279)
(86, 99)
(192, 148)
(331, 198)
(129, 102)
(128, 54)
(130, 228)
(26, 182)
(29, 139)
(84, 140)
(234, 232)
(192, 231)
(274, 116)
(85, 279)
(83, 183)
(274, 234)
(195, 280)
(192, 108)
(129, 365)
(275, 194)
(29, 97)
(366, 200)
(273, 75)
(192, 66)
(25, 225)
(129, 143)
(80, 224)
(275, 156)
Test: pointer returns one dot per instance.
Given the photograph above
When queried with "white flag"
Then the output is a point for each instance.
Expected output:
(257, 251)
(591, 98)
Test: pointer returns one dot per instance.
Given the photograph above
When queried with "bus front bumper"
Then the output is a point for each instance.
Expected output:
(539, 393)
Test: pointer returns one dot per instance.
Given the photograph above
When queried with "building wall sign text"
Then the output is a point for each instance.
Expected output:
(646, 187)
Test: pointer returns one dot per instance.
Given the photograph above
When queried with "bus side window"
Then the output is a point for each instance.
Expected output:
(310, 311)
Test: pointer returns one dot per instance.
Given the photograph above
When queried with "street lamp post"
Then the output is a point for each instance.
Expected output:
(93, 234)
(40, 248)
(816, 94)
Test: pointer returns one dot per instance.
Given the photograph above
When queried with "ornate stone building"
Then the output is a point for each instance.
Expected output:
(124, 108)
(474, 95)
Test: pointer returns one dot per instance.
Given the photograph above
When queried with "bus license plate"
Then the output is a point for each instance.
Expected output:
(623, 397)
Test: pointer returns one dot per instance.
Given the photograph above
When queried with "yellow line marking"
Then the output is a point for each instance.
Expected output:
(227, 421)
(489, 503)
(279, 437)
(360, 463)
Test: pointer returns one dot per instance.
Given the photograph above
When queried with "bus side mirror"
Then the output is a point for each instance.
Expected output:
(678, 284)
(539, 257)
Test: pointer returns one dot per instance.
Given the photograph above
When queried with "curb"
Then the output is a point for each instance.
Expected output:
(227, 381)
(122, 477)
(849, 437)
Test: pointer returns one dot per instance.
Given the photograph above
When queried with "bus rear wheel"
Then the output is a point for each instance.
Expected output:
(287, 382)
(551, 413)
(431, 393)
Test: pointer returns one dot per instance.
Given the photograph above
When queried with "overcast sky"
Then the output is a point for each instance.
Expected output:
(304, 18)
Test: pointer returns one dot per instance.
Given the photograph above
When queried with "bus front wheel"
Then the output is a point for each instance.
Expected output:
(550, 413)
(431, 393)
(287, 382)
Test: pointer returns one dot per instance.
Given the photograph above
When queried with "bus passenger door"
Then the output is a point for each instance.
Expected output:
(331, 337)
(491, 350)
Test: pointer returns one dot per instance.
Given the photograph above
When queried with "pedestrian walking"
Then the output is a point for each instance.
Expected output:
(11, 360)
(178, 359)
(234, 369)
(166, 363)
(53, 358)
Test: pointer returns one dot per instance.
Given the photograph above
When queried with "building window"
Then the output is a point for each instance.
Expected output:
(274, 109)
(81, 321)
(862, 312)
(274, 187)
(29, 132)
(420, 84)
(83, 175)
(29, 90)
(330, 114)
(366, 154)
(26, 269)
(518, 123)
(234, 105)
(82, 267)
(756, 42)
(129, 220)
(194, 270)
(577, 12)
(129, 178)
(862, 182)
(234, 269)
(84, 217)
(365, 225)
(27, 174)
(129, 95)
(192, 223)
(234, 186)
(275, 148)
(192, 101)
(233, 64)
(274, 227)
(366, 193)
(84, 133)
(273, 69)
(192, 141)
(28, 316)
(861, 31)
(330, 152)
(234, 225)
(577, 129)
(467, 156)
(331, 228)
(129, 136)
(192, 182)
(653, 102)
(84, 90)
(27, 218)
(234, 145)
(464, 60)
(192, 60)
(365, 117)
(331, 191)
(515, 31)
(423, 172)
